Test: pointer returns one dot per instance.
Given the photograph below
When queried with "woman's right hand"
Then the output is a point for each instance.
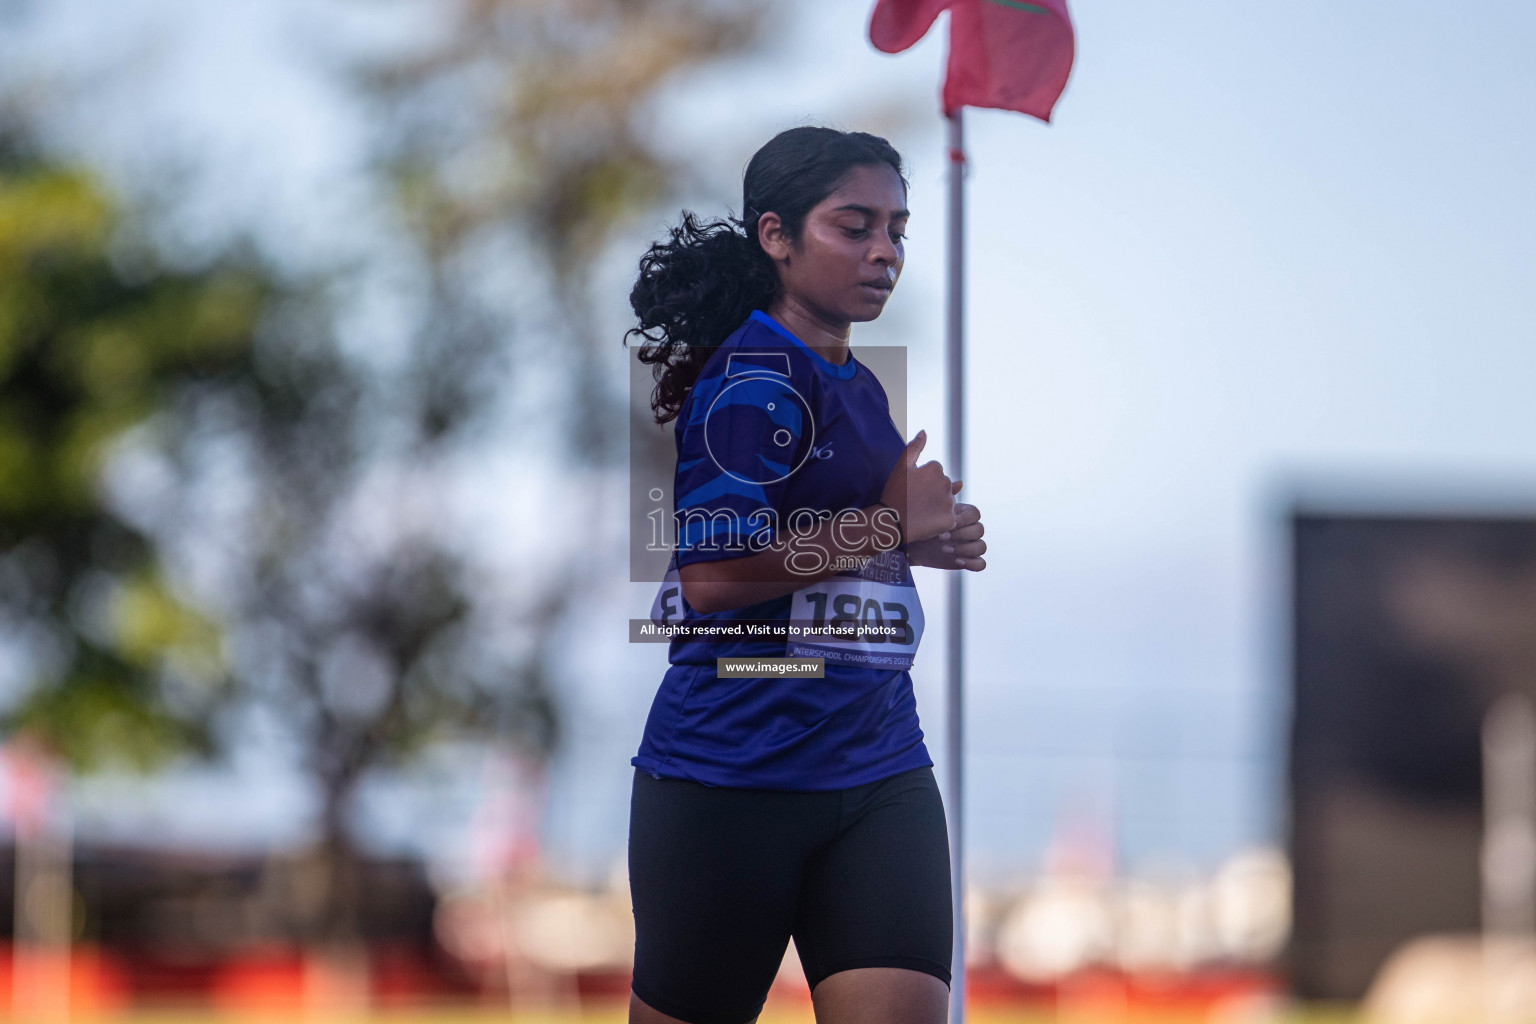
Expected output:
(922, 495)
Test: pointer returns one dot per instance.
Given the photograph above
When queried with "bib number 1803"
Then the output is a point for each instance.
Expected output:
(865, 613)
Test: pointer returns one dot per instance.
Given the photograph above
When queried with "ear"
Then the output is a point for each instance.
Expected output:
(771, 236)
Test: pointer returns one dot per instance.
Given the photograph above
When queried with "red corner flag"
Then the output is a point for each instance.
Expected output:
(1002, 53)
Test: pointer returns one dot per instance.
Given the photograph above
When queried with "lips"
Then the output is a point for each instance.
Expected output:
(883, 287)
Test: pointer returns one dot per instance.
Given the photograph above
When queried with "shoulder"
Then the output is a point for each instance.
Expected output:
(752, 351)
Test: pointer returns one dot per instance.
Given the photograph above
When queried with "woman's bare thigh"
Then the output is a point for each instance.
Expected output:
(881, 995)
(640, 1013)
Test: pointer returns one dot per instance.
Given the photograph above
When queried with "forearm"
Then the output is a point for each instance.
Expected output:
(846, 541)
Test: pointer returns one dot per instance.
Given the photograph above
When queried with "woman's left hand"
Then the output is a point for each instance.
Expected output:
(960, 548)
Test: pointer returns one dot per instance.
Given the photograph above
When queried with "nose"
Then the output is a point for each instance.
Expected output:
(884, 250)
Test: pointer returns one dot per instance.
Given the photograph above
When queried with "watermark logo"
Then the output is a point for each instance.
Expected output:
(758, 401)
(714, 479)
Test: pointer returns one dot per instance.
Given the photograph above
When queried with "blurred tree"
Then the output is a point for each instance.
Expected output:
(516, 145)
(520, 144)
(297, 483)
(513, 144)
(121, 670)
(206, 420)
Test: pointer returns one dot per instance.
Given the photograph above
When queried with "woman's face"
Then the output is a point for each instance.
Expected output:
(849, 253)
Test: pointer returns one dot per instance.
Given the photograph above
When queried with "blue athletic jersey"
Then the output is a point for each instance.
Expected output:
(771, 431)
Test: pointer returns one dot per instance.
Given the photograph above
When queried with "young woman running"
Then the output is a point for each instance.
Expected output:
(773, 807)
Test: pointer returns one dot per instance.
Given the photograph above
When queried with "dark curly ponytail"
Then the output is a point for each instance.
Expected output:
(698, 286)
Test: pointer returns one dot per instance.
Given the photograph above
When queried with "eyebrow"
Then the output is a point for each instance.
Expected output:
(870, 211)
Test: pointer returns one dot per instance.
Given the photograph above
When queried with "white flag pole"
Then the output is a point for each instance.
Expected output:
(954, 663)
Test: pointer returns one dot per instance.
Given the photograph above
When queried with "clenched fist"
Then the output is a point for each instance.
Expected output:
(959, 548)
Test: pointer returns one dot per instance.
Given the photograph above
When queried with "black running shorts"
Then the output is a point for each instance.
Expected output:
(721, 878)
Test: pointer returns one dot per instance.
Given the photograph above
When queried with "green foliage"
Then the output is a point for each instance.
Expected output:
(92, 344)
(96, 719)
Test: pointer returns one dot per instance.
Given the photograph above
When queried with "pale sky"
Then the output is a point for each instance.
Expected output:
(1261, 246)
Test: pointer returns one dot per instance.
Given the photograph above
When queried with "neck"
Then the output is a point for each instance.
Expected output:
(828, 338)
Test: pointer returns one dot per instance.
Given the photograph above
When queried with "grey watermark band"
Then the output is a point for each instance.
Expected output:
(646, 631)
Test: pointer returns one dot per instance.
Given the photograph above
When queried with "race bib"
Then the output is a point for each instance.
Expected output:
(870, 616)
(873, 612)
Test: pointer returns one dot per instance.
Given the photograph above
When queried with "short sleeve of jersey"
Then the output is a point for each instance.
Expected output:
(744, 431)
